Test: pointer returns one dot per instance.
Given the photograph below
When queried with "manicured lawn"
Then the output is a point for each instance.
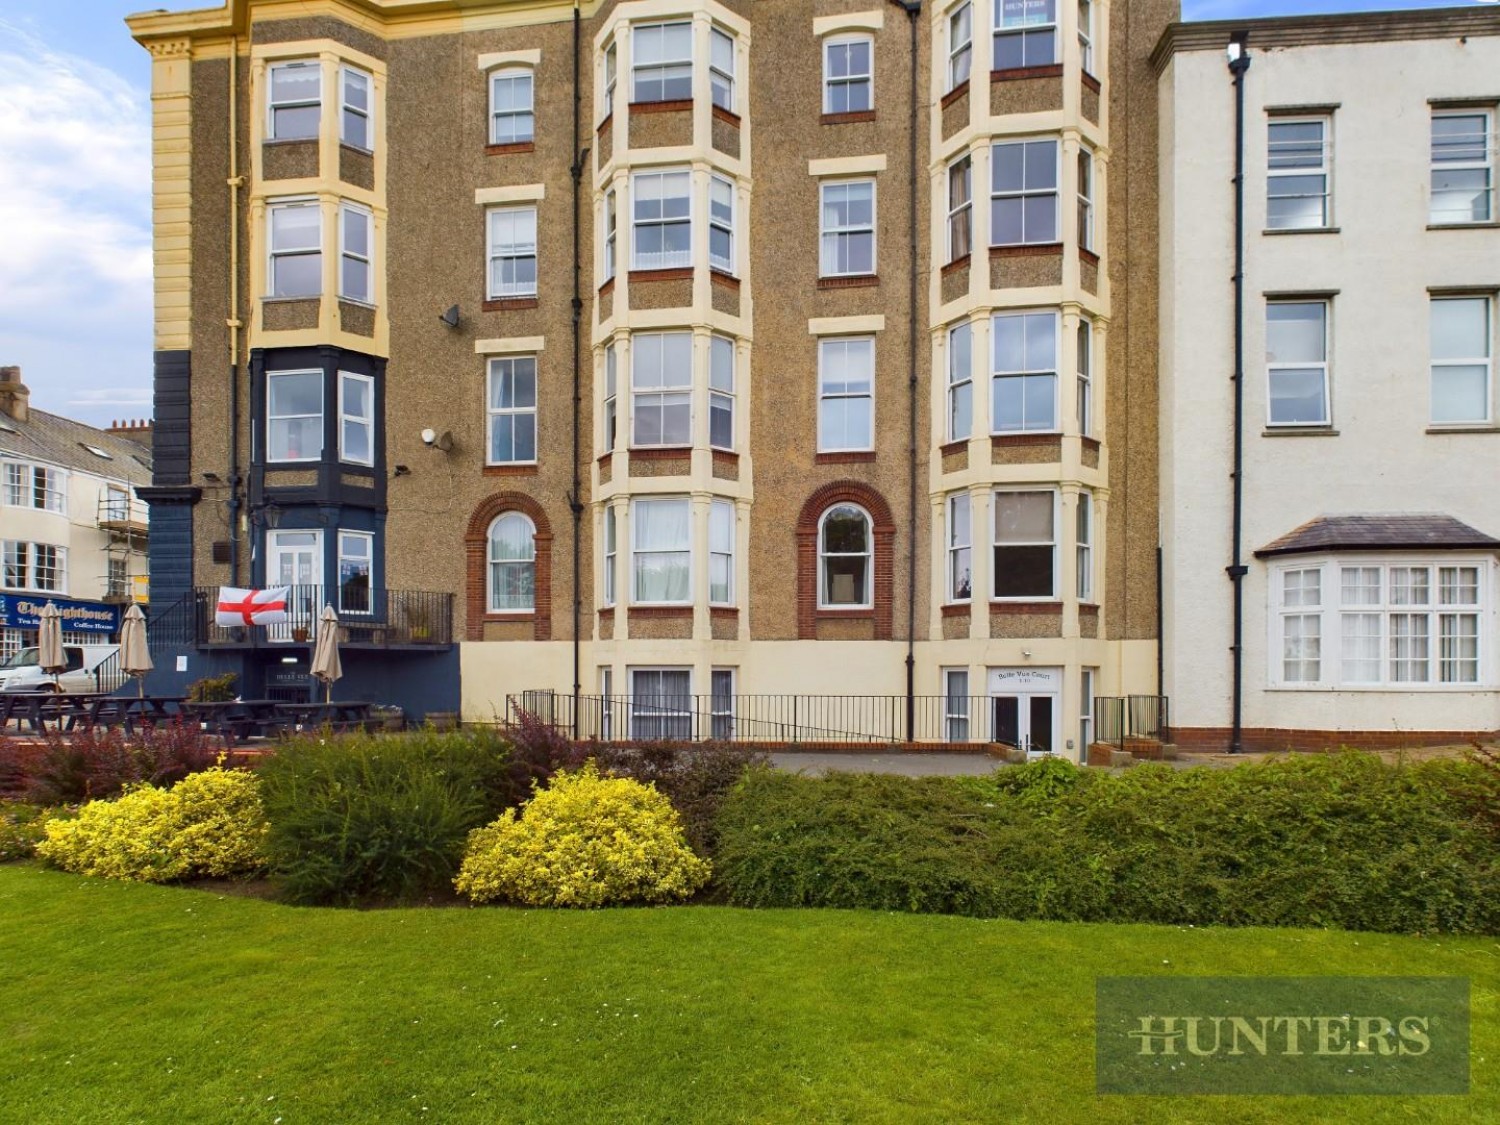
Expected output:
(138, 1003)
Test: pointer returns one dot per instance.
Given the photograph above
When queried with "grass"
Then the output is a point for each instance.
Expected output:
(128, 1002)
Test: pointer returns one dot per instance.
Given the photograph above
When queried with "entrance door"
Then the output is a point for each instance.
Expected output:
(1024, 708)
(295, 559)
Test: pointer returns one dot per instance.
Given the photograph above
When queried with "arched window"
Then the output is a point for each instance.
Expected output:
(844, 558)
(512, 559)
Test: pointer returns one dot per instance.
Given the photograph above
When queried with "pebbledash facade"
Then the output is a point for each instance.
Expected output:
(773, 368)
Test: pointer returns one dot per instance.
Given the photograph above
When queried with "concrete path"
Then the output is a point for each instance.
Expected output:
(911, 765)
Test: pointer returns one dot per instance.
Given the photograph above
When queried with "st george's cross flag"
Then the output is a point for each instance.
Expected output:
(251, 607)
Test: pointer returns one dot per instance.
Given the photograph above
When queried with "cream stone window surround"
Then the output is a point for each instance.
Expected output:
(509, 345)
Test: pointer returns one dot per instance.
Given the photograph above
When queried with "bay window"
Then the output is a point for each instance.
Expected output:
(1085, 377)
(356, 557)
(1025, 34)
(611, 223)
(1396, 622)
(721, 224)
(36, 486)
(662, 62)
(1086, 34)
(1025, 526)
(960, 381)
(960, 208)
(662, 217)
(611, 378)
(721, 552)
(354, 254)
(661, 384)
(356, 418)
(1085, 546)
(721, 69)
(295, 102)
(1023, 193)
(611, 553)
(661, 703)
(354, 108)
(960, 44)
(296, 248)
(294, 415)
(1085, 200)
(1023, 369)
(721, 392)
(41, 567)
(960, 538)
(956, 704)
(661, 550)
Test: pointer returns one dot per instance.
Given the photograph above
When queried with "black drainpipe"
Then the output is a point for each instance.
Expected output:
(913, 9)
(1239, 63)
(1161, 629)
(575, 498)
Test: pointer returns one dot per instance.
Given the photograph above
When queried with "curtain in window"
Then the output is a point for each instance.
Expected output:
(662, 550)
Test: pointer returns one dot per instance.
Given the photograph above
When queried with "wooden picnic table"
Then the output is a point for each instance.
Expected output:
(237, 718)
(337, 714)
(132, 710)
(69, 710)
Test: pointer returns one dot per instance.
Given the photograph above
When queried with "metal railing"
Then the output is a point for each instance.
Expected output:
(370, 618)
(781, 719)
(109, 676)
(1119, 719)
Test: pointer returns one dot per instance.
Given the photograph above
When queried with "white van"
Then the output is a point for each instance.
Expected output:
(82, 674)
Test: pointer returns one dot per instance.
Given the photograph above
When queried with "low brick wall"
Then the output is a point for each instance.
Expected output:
(1216, 739)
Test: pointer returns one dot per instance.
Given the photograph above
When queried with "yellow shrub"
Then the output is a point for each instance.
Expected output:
(584, 841)
(211, 823)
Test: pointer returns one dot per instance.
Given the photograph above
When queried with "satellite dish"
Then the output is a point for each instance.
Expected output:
(450, 318)
(445, 440)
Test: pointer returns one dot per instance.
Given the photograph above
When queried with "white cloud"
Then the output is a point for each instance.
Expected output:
(75, 212)
(113, 396)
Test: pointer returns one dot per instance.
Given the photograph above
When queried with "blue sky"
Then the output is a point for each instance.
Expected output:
(75, 194)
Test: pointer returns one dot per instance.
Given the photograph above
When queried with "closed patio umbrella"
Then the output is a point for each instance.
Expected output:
(49, 643)
(326, 665)
(135, 654)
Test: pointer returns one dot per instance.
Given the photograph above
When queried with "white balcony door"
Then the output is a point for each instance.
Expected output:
(1025, 708)
(295, 558)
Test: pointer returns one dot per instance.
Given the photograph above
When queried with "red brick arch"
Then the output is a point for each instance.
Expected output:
(845, 492)
(476, 547)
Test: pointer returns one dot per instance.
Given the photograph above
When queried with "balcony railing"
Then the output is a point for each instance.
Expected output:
(370, 618)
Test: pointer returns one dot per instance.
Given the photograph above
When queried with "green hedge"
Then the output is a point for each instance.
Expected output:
(1342, 841)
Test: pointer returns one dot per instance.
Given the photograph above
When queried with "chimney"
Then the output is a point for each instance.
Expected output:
(15, 398)
(138, 429)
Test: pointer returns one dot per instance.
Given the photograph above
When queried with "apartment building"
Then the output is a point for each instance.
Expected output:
(694, 354)
(73, 529)
(1367, 521)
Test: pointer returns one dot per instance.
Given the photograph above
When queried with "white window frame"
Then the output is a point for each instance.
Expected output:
(611, 77)
(852, 79)
(491, 587)
(20, 485)
(651, 720)
(824, 396)
(314, 249)
(27, 565)
(610, 536)
(1026, 372)
(1053, 544)
(832, 238)
(1085, 346)
(272, 419)
(369, 539)
(669, 259)
(510, 366)
(721, 90)
(717, 222)
(346, 255)
(347, 109)
(1024, 31)
(956, 723)
(1086, 35)
(721, 393)
(1342, 620)
(1325, 365)
(611, 232)
(664, 64)
(662, 395)
(960, 50)
(1485, 165)
(1084, 545)
(637, 552)
(961, 213)
(346, 419)
(272, 105)
(609, 417)
(961, 380)
(1487, 361)
(867, 595)
(1322, 170)
(1086, 198)
(117, 502)
(517, 116)
(959, 549)
(516, 251)
(721, 536)
(1024, 192)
